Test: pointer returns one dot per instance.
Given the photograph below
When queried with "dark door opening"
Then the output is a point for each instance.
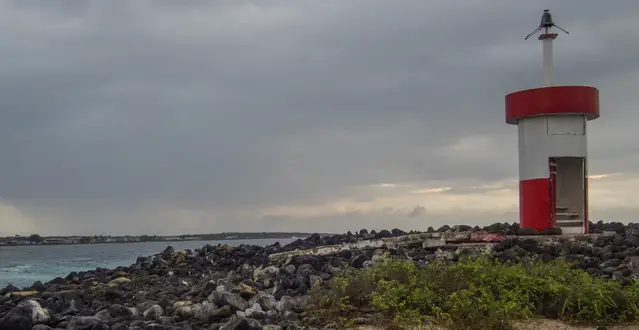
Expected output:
(567, 194)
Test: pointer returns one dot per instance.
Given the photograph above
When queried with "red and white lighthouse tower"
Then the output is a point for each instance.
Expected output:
(551, 121)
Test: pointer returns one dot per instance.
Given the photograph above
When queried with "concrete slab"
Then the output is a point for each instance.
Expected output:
(429, 240)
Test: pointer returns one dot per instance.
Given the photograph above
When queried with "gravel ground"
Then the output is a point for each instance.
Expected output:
(540, 325)
(556, 325)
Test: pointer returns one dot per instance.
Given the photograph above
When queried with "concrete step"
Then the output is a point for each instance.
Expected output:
(572, 230)
(561, 208)
(571, 226)
(568, 215)
(570, 223)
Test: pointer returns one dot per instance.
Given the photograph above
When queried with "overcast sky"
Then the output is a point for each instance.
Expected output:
(168, 117)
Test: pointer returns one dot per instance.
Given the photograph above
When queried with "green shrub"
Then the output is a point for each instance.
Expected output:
(474, 293)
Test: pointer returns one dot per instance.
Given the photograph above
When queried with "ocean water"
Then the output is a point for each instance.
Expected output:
(24, 265)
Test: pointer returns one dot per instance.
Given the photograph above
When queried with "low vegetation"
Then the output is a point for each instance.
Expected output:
(474, 293)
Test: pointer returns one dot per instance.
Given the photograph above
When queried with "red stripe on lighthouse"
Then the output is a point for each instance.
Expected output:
(534, 203)
(555, 100)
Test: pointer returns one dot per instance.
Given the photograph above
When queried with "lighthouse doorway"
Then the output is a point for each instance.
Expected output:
(568, 194)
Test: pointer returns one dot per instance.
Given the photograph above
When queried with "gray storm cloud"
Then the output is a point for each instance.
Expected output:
(111, 109)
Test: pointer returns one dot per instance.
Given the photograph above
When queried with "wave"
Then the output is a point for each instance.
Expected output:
(16, 268)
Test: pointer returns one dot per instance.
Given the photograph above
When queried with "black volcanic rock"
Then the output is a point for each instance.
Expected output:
(238, 288)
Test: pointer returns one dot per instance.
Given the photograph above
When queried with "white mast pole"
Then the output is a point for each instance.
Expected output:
(547, 38)
(547, 59)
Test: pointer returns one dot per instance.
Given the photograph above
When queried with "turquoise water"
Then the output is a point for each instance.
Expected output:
(23, 265)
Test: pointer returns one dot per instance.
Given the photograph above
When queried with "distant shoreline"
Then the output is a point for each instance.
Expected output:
(138, 242)
(35, 240)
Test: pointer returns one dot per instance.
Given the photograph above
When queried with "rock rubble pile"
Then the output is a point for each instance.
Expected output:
(225, 287)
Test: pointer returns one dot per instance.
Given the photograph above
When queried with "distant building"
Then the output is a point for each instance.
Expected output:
(77, 239)
(18, 240)
(55, 240)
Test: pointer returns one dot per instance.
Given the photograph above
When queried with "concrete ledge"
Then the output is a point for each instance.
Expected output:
(428, 240)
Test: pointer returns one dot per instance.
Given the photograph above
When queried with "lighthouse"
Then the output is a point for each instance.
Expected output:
(553, 149)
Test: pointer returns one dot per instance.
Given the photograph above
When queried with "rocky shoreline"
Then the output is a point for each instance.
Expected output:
(224, 287)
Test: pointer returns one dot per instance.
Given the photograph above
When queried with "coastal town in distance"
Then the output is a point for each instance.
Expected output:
(36, 239)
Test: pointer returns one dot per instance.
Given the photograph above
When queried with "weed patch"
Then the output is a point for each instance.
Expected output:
(474, 293)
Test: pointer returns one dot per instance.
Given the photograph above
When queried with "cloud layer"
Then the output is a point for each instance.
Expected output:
(160, 116)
